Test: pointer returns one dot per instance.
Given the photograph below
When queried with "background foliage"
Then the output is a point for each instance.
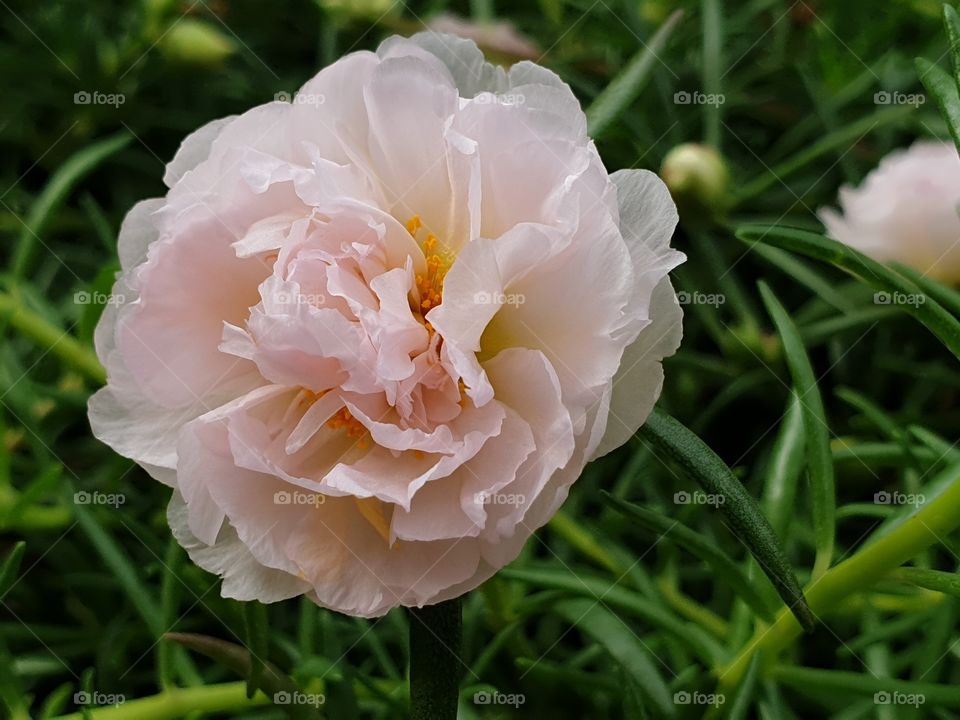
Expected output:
(614, 609)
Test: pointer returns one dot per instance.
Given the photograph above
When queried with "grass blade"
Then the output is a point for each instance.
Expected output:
(10, 568)
(944, 90)
(699, 545)
(784, 468)
(929, 312)
(56, 191)
(620, 598)
(617, 639)
(712, 27)
(747, 521)
(626, 86)
(816, 430)
(945, 582)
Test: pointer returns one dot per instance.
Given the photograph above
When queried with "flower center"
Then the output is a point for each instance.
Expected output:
(430, 282)
(344, 420)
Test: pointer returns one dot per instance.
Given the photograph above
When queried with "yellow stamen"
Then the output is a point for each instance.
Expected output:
(429, 284)
(344, 420)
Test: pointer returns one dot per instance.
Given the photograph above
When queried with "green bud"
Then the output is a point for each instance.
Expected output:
(697, 178)
(196, 42)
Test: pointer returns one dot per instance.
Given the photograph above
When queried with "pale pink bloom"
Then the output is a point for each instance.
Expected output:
(371, 337)
(906, 211)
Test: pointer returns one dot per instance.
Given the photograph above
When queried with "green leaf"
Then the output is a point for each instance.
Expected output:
(784, 469)
(56, 191)
(810, 680)
(625, 88)
(817, 333)
(624, 646)
(951, 22)
(929, 312)
(816, 430)
(614, 596)
(726, 570)
(10, 567)
(712, 29)
(740, 704)
(944, 90)
(801, 272)
(945, 582)
(946, 296)
(633, 705)
(747, 521)
(841, 138)
(117, 562)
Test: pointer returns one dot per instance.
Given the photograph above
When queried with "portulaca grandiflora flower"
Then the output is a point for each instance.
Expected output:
(906, 210)
(370, 337)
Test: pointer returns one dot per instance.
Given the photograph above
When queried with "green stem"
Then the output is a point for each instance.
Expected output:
(51, 338)
(928, 526)
(177, 703)
(435, 664)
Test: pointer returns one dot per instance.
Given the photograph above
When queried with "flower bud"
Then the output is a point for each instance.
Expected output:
(196, 42)
(697, 178)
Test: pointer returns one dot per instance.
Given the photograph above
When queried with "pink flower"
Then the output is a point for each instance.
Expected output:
(906, 210)
(376, 333)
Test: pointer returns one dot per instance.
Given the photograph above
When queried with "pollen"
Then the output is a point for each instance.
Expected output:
(429, 282)
(343, 420)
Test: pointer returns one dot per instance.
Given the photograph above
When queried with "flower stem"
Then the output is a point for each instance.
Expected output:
(921, 530)
(176, 703)
(435, 638)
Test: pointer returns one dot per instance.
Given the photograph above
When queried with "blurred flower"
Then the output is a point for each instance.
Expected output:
(373, 335)
(495, 37)
(697, 178)
(196, 42)
(906, 211)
